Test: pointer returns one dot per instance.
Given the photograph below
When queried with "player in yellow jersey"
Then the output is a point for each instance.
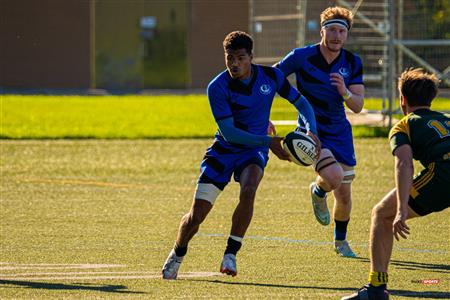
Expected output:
(423, 135)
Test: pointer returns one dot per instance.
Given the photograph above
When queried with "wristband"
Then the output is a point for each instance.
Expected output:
(348, 95)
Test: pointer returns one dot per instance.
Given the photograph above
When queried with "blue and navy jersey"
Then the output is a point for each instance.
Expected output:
(248, 104)
(313, 80)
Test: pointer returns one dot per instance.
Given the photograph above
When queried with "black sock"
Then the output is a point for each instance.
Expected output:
(340, 231)
(233, 246)
(180, 251)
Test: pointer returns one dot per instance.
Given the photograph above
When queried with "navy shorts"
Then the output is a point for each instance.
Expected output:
(220, 163)
(341, 147)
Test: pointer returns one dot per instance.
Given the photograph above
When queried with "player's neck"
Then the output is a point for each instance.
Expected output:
(411, 109)
(327, 53)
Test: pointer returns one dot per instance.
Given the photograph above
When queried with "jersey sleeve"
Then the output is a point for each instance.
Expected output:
(399, 134)
(218, 101)
(284, 88)
(357, 72)
(290, 63)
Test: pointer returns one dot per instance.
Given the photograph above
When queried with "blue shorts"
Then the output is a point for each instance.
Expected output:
(221, 162)
(340, 144)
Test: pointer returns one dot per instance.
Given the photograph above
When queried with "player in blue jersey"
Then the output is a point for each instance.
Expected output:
(240, 98)
(329, 76)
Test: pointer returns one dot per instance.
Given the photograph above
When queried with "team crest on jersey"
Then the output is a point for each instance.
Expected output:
(345, 72)
(265, 89)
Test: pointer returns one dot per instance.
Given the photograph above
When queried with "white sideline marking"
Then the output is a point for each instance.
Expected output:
(68, 276)
(91, 275)
(12, 266)
(320, 243)
(76, 273)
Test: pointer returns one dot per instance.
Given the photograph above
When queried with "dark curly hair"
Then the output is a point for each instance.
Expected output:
(238, 40)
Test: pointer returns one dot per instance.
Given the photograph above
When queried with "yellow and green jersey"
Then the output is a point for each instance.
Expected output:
(428, 134)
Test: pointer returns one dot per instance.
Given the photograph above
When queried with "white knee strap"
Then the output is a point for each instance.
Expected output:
(349, 175)
(207, 191)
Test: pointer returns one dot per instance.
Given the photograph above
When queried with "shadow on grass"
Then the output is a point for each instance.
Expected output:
(403, 293)
(60, 286)
(427, 294)
(411, 265)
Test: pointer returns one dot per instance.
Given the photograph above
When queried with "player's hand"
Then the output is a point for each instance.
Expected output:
(317, 141)
(271, 130)
(338, 81)
(399, 227)
(277, 149)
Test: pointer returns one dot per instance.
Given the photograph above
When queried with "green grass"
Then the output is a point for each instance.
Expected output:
(111, 117)
(119, 202)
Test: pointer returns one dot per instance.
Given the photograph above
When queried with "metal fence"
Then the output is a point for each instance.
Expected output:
(388, 35)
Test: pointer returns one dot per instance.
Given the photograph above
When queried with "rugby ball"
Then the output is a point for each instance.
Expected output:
(301, 148)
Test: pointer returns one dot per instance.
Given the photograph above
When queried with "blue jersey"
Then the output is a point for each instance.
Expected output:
(312, 73)
(248, 104)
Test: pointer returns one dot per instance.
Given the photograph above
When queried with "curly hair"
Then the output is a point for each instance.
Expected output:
(238, 40)
(337, 12)
(418, 87)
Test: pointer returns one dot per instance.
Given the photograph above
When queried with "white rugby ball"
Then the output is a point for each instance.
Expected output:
(301, 148)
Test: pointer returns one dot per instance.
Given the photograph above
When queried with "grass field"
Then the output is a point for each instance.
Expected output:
(95, 219)
(112, 117)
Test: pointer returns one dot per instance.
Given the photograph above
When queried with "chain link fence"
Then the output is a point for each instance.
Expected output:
(388, 35)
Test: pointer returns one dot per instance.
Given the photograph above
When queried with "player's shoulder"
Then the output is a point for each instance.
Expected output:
(401, 126)
(219, 82)
(270, 72)
(306, 50)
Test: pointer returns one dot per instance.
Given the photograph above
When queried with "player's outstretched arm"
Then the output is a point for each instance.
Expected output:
(404, 170)
(235, 135)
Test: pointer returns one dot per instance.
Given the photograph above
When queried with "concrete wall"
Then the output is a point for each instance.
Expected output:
(211, 21)
(44, 44)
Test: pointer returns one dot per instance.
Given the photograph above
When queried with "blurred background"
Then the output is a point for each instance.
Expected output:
(107, 46)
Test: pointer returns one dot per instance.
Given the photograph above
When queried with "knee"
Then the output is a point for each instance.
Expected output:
(248, 192)
(334, 180)
(379, 213)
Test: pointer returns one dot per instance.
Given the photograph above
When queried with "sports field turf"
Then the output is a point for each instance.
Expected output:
(131, 116)
(95, 219)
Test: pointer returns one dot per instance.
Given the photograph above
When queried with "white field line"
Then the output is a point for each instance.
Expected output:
(56, 266)
(322, 243)
(90, 275)
(77, 273)
(68, 276)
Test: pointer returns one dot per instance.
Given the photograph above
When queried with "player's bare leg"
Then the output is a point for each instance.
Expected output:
(329, 178)
(189, 226)
(341, 212)
(190, 222)
(249, 181)
(381, 243)
(381, 237)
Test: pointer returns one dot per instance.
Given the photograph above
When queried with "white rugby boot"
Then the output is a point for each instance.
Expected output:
(319, 206)
(343, 249)
(228, 265)
(171, 266)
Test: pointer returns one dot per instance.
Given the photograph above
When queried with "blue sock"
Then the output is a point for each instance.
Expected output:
(340, 230)
(319, 191)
